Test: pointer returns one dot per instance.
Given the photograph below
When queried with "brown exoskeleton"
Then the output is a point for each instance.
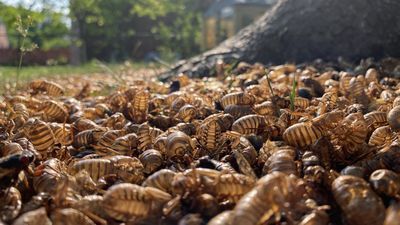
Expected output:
(128, 201)
(359, 203)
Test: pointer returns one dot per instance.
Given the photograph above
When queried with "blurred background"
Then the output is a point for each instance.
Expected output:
(74, 32)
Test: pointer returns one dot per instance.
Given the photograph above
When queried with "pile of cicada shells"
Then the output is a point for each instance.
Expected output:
(261, 145)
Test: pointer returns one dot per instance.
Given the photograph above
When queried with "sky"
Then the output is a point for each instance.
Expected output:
(59, 5)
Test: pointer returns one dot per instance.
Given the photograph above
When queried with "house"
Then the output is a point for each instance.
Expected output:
(4, 43)
(224, 18)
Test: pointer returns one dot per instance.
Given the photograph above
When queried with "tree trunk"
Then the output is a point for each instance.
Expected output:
(304, 30)
(74, 48)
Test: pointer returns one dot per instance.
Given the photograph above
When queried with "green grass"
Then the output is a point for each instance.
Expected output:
(29, 73)
(32, 72)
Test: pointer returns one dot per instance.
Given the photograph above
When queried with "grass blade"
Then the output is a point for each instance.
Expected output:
(293, 94)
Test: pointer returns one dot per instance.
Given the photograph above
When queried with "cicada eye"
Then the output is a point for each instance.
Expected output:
(25, 160)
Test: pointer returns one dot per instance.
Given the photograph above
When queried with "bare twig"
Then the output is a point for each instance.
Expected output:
(269, 83)
(106, 68)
